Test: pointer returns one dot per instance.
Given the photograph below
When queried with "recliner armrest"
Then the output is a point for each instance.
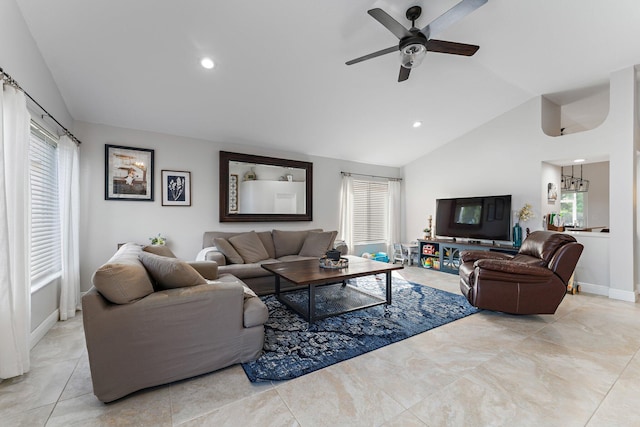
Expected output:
(513, 267)
(470, 256)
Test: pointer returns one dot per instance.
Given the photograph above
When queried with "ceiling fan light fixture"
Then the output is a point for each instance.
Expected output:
(412, 55)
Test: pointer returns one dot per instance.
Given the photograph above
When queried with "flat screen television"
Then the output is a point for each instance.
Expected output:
(479, 218)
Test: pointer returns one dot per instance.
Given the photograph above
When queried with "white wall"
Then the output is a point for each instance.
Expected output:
(104, 223)
(504, 156)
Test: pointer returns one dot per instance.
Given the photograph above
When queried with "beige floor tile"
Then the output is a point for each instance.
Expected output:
(536, 392)
(414, 377)
(335, 396)
(406, 419)
(80, 381)
(195, 397)
(40, 386)
(147, 408)
(36, 417)
(63, 342)
(260, 410)
(620, 407)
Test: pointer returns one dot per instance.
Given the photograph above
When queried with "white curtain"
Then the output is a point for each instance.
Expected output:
(15, 286)
(345, 229)
(394, 215)
(69, 188)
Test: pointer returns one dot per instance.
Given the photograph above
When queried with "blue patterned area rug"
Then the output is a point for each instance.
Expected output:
(292, 348)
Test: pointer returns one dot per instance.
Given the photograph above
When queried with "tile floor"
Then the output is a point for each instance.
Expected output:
(578, 367)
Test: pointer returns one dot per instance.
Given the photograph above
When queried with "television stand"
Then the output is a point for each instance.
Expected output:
(444, 254)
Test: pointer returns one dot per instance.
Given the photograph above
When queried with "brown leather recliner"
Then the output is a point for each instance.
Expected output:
(534, 281)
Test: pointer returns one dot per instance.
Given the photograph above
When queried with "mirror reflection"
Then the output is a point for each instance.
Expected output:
(266, 189)
(258, 188)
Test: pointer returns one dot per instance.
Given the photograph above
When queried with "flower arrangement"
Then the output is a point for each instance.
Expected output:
(158, 240)
(526, 213)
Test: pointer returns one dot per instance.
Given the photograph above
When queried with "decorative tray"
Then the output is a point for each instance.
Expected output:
(335, 264)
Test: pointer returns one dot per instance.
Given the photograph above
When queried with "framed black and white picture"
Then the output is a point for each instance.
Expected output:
(176, 188)
(128, 173)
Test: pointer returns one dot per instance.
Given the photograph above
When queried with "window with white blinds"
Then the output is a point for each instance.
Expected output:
(45, 211)
(370, 211)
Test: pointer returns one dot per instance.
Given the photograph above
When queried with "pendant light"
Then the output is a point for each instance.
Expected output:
(583, 184)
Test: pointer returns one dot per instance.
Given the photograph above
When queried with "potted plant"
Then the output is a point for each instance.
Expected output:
(158, 240)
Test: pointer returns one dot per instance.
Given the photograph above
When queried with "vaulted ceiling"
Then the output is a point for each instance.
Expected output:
(281, 82)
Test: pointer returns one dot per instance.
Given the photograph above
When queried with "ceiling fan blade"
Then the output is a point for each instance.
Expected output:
(404, 74)
(451, 16)
(442, 46)
(390, 24)
(373, 55)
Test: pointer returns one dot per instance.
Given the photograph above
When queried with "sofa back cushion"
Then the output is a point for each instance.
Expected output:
(316, 244)
(250, 247)
(209, 236)
(161, 250)
(267, 242)
(170, 273)
(123, 279)
(227, 249)
(289, 242)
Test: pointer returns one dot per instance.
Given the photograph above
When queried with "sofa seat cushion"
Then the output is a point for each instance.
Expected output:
(316, 244)
(170, 273)
(246, 271)
(289, 258)
(227, 249)
(123, 279)
(249, 246)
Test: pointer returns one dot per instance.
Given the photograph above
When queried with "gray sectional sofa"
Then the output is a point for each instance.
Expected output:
(153, 319)
(243, 253)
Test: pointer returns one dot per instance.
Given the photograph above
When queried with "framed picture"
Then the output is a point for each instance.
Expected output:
(552, 192)
(128, 173)
(176, 188)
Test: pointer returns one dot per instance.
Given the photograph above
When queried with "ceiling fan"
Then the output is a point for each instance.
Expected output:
(414, 42)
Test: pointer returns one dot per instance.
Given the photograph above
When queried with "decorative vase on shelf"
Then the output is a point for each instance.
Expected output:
(517, 235)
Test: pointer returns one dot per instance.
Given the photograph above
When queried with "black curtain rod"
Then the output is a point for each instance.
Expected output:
(12, 82)
(390, 178)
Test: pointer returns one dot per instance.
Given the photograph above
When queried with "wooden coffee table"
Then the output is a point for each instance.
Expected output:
(309, 274)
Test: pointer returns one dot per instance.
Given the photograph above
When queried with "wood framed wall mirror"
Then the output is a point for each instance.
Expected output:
(258, 188)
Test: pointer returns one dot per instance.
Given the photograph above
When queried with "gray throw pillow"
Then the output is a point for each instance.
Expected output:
(170, 273)
(228, 251)
(250, 247)
(317, 244)
(123, 279)
(161, 250)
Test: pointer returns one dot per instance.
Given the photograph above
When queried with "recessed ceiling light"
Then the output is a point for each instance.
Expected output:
(417, 124)
(578, 160)
(207, 63)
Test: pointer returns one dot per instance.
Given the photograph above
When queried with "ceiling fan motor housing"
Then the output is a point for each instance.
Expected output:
(413, 50)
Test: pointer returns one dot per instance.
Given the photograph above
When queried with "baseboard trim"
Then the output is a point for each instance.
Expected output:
(44, 327)
(591, 288)
(622, 295)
